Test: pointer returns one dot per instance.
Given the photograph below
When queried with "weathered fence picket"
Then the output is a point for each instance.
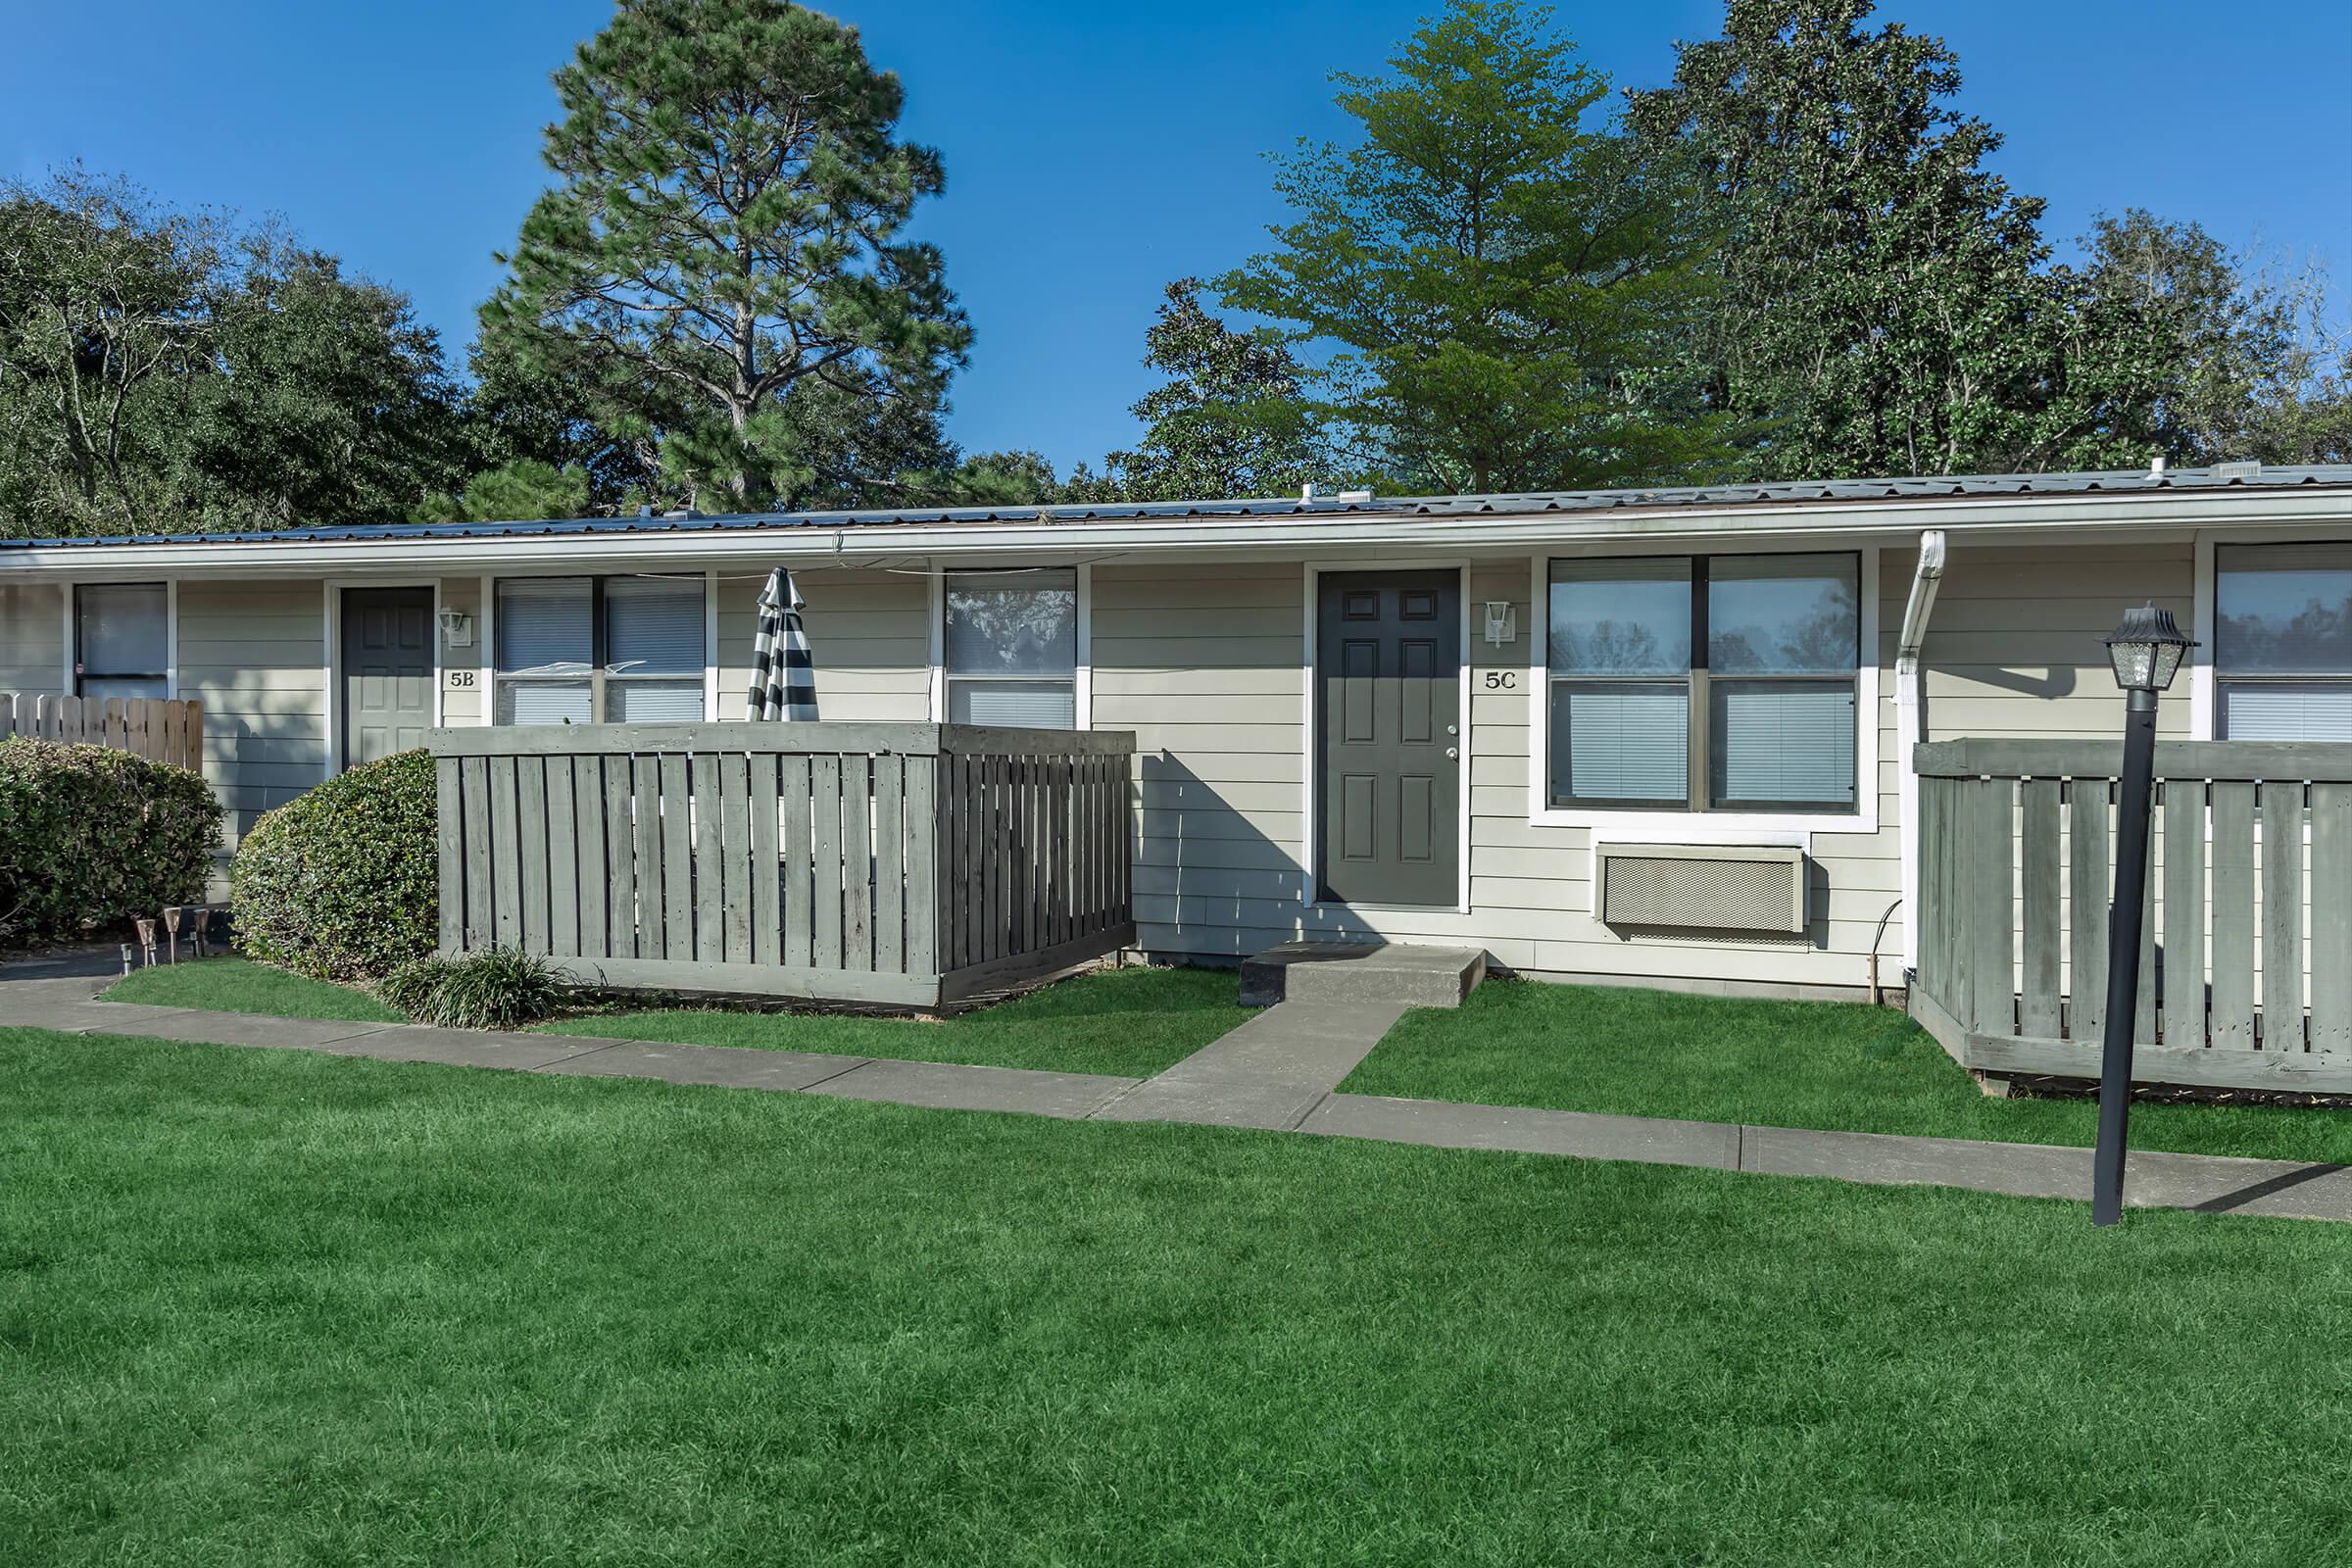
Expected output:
(2245, 979)
(915, 864)
(162, 731)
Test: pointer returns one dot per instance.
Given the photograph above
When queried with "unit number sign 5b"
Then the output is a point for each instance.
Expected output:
(460, 680)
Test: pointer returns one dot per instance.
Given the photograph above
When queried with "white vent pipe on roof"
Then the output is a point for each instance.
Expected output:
(1910, 723)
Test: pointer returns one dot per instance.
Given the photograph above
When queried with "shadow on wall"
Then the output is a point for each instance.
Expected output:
(1208, 871)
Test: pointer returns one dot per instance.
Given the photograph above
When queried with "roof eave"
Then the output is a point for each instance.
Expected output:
(1308, 535)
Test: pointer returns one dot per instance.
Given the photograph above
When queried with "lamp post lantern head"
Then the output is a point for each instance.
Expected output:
(2146, 649)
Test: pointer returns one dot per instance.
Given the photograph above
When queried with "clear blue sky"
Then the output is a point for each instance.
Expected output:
(1094, 150)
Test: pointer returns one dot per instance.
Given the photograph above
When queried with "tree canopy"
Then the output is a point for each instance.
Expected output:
(1230, 420)
(1886, 303)
(722, 261)
(1504, 282)
(1794, 259)
(165, 370)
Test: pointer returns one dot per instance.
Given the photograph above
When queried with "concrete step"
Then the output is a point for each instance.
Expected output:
(1408, 973)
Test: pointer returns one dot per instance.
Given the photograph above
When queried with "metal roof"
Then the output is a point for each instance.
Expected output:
(2243, 477)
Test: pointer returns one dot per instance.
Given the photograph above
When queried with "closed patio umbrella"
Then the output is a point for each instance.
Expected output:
(783, 677)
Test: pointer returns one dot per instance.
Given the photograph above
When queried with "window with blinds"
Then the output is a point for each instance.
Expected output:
(2282, 642)
(1011, 649)
(122, 640)
(1744, 665)
(599, 649)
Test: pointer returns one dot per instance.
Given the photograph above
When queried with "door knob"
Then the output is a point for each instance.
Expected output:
(1451, 753)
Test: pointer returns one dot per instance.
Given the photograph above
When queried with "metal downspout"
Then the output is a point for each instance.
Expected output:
(1910, 726)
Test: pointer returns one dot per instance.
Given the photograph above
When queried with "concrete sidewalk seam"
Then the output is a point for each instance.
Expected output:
(2211, 1184)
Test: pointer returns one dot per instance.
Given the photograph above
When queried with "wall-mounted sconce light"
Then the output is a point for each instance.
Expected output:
(1503, 622)
(457, 628)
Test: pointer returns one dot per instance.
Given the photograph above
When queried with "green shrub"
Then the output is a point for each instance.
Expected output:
(93, 837)
(496, 988)
(342, 883)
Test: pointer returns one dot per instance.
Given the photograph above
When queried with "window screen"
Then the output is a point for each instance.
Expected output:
(1012, 647)
(121, 636)
(2282, 640)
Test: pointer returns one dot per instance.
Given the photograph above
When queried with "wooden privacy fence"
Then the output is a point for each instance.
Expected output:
(911, 865)
(159, 730)
(2246, 974)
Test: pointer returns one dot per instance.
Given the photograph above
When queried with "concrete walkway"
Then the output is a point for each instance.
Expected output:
(1277, 1071)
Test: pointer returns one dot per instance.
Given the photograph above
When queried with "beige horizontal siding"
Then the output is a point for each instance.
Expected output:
(869, 632)
(254, 653)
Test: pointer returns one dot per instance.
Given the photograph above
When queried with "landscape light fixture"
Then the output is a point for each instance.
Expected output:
(2146, 649)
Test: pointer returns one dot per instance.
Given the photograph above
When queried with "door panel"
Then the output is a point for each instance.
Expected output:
(387, 671)
(1388, 712)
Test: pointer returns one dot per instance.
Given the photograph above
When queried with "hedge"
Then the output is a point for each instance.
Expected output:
(342, 882)
(90, 838)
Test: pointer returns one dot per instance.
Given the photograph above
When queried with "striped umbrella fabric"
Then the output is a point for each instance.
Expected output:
(783, 676)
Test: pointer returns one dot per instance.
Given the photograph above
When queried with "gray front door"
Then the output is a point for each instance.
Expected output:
(387, 671)
(1388, 715)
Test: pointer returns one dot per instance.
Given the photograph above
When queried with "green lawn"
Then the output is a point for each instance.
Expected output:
(1826, 1064)
(1133, 1022)
(275, 1307)
(239, 985)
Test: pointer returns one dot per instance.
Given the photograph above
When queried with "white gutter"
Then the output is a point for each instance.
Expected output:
(1909, 730)
(2155, 514)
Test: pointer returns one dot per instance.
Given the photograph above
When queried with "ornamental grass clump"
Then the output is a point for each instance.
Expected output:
(91, 837)
(343, 882)
(496, 988)
(410, 988)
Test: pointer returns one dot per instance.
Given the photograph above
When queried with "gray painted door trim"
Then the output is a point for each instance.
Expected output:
(1314, 828)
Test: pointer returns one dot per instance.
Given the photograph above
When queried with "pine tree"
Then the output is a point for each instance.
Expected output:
(727, 232)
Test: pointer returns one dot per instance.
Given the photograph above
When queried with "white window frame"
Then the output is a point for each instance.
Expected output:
(2204, 676)
(486, 628)
(1717, 826)
(1082, 674)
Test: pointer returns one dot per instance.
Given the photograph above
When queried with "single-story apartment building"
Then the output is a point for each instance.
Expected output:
(1355, 717)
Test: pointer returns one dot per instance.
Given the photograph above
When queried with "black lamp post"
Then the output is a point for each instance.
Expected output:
(2146, 650)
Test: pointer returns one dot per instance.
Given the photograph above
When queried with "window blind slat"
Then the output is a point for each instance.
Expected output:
(544, 626)
(544, 702)
(653, 627)
(654, 702)
(1786, 742)
(1621, 742)
(1018, 703)
(2282, 713)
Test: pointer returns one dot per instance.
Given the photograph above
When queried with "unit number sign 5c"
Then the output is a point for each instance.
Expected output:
(1502, 680)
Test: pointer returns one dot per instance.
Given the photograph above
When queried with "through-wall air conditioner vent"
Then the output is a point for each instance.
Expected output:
(1703, 887)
